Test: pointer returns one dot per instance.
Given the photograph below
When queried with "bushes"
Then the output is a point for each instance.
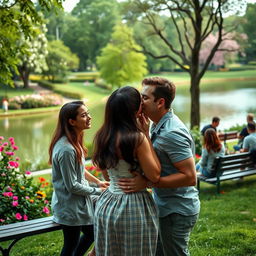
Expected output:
(35, 101)
(21, 198)
(197, 139)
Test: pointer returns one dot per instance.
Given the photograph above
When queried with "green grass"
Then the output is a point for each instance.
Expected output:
(11, 92)
(226, 226)
(227, 222)
(90, 92)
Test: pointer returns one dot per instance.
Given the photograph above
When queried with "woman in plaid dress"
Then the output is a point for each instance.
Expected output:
(125, 224)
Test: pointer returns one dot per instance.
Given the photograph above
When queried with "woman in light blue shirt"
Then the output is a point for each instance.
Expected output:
(211, 149)
(72, 200)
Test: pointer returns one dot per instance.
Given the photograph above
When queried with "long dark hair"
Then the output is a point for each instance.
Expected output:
(212, 141)
(119, 135)
(68, 111)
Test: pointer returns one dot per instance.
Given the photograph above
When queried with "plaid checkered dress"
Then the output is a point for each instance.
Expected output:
(125, 224)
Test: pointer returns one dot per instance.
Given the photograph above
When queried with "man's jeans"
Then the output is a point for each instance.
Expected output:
(174, 233)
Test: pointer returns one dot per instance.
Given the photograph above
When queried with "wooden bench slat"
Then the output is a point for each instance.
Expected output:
(233, 175)
(27, 223)
(27, 228)
(235, 166)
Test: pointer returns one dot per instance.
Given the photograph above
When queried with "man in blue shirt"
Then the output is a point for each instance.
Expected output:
(174, 193)
(215, 123)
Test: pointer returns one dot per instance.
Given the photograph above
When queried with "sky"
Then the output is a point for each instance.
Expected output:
(69, 5)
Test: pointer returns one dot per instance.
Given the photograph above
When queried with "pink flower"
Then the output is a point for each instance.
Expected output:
(8, 194)
(46, 201)
(9, 189)
(11, 139)
(18, 216)
(1, 148)
(13, 164)
(27, 172)
(1, 137)
(17, 159)
(27, 197)
(15, 147)
(46, 210)
(9, 153)
(15, 203)
(25, 217)
(5, 144)
(15, 198)
(2, 220)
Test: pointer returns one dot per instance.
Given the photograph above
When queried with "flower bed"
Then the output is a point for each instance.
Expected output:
(21, 198)
(35, 101)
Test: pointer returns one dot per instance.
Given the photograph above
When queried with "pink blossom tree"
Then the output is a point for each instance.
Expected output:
(226, 51)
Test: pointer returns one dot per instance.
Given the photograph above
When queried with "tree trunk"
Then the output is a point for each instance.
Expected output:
(24, 73)
(195, 101)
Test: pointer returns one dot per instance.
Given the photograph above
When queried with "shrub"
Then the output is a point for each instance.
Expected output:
(197, 139)
(21, 198)
(35, 101)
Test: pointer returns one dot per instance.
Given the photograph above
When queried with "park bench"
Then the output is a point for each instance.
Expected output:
(224, 136)
(229, 167)
(19, 230)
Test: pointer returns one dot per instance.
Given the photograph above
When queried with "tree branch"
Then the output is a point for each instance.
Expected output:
(216, 46)
(162, 57)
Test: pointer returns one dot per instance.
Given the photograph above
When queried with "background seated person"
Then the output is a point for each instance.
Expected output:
(211, 149)
(249, 143)
(244, 132)
(213, 125)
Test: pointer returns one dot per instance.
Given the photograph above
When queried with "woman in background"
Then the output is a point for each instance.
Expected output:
(72, 200)
(211, 149)
(125, 224)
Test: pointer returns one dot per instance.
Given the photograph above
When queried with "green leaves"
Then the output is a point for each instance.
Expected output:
(120, 62)
(17, 20)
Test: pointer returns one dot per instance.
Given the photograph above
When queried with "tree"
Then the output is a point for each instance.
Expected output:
(119, 63)
(194, 21)
(17, 19)
(33, 59)
(90, 29)
(154, 45)
(59, 60)
(227, 50)
(249, 29)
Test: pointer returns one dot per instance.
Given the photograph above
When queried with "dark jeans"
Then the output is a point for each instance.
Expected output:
(174, 234)
(74, 244)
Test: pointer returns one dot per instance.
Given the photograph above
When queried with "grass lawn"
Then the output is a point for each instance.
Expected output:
(226, 226)
(183, 78)
(90, 92)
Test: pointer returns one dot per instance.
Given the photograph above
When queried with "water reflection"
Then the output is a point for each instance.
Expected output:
(33, 133)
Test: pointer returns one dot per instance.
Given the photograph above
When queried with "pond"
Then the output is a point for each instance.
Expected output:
(33, 133)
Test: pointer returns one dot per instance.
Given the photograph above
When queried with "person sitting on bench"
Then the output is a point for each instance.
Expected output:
(211, 149)
(244, 133)
(249, 143)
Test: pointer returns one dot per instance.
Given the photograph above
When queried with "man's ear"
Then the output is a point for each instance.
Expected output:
(161, 102)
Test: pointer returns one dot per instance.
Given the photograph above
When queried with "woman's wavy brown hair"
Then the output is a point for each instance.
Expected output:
(68, 111)
(212, 141)
(119, 135)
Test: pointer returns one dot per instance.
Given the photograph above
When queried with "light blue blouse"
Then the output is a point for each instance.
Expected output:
(72, 201)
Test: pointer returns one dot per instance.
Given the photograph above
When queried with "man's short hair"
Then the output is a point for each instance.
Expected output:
(251, 126)
(250, 117)
(163, 89)
(215, 119)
